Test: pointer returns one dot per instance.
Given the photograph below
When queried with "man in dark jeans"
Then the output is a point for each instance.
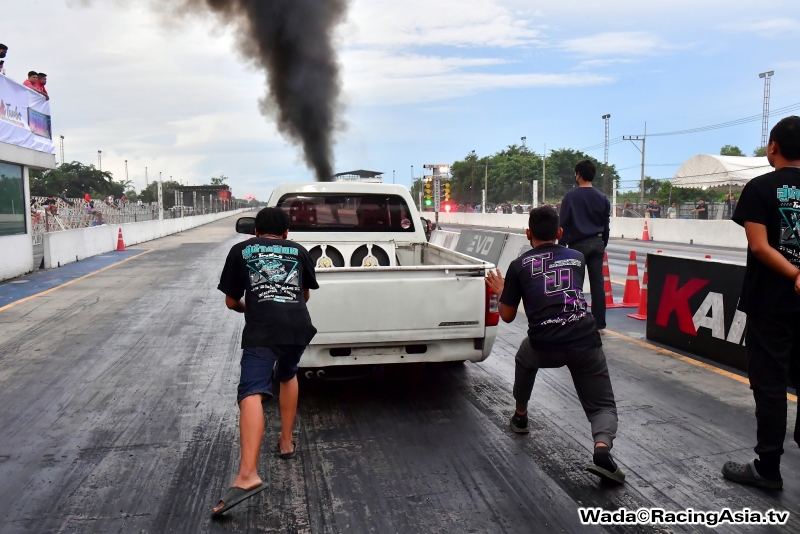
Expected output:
(769, 210)
(585, 218)
(561, 333)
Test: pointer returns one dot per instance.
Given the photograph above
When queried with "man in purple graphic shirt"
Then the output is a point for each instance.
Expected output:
(548, 280)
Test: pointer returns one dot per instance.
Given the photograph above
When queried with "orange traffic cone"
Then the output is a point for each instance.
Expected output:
(607, 284)
(641, 313)
(645, 234)
(120, 242)
(630, 299)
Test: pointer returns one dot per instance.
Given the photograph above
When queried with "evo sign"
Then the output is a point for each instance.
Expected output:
(484, 245)
(692, 306)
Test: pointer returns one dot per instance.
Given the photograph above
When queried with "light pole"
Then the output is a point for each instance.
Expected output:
(544, 174)
(99, 160)
(765, 108)
(62, 149)
(392, 177)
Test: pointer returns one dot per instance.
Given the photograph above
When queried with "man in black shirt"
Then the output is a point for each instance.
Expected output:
(702, 210)
(769, 210)
(274, 275)
(548, 279)
(585, 217)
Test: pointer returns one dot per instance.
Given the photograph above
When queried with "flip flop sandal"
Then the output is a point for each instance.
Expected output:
(234, 496)
(288, 455)
(747, 474)
(617, 476)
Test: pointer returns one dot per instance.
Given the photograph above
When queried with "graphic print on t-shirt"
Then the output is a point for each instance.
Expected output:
(789, 242)
(558, 283)
(273, 272)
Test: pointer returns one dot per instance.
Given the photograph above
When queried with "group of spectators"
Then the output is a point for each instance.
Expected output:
(654, 210)
(36, 80)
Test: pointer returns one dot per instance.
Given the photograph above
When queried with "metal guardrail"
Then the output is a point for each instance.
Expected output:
(78, 213)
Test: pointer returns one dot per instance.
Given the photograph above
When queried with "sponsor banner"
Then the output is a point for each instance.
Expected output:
(483, 245)
(24, 117)
(692, 306)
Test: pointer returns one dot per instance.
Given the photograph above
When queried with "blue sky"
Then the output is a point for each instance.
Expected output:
(423, 82)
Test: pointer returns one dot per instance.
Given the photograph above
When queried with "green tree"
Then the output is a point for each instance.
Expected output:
(150, 193)
(78, 179)
(511, 173)
(219, 180)
(731, 150)
(760, 152)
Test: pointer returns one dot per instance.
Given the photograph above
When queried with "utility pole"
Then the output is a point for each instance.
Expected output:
(146, 182)
(486, 185)
(522, 193)
(605, 148)
(126, 170)
(765, 108)
(641, 138)
(99, 160)
(392, 177)
(62, 149)
(544, 173)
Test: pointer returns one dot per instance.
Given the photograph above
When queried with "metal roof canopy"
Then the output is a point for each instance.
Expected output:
(361, 173)
(708, 171)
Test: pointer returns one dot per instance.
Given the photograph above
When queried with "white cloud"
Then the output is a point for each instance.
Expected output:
(415, 23)
(764, 28)
(636, 43)
(381, 78)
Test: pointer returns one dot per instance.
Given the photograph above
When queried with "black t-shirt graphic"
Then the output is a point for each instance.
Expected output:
(773, 200)
(549, 281)
(271, 274)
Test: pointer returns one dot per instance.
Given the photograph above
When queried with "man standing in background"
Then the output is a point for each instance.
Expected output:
(585, 218)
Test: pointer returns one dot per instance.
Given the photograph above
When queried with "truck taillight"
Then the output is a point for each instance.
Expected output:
(492, 308)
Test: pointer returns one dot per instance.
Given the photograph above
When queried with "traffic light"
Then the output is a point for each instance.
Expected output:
(447, 193)
(428, 194)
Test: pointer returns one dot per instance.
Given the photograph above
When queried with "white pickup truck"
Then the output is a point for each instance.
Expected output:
(386, 295)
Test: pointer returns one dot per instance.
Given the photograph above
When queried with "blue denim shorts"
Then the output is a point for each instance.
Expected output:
(261, 364)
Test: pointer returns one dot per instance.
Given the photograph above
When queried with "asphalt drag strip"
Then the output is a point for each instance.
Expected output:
(119, 415)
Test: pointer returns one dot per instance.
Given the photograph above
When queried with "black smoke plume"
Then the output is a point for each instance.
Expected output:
(292, 40)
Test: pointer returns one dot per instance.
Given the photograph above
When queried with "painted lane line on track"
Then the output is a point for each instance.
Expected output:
(45, 292)
(692, 361)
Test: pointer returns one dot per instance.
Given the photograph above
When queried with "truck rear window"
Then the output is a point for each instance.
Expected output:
(330, 212)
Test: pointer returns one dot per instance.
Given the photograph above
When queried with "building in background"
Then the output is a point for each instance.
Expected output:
(370, 177)
(26, 142)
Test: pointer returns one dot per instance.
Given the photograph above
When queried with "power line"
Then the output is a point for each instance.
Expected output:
(728, 124)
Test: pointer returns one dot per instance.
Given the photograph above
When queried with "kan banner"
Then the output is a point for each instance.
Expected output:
(486, 246)
(692, 306)
(24, 117)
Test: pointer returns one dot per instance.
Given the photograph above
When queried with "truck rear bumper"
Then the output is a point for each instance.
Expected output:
(441, 350)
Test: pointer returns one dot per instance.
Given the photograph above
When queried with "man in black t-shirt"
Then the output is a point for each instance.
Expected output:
(548, 279)
(769, 210)
(702, 210)
(585, 216)
(274, 275)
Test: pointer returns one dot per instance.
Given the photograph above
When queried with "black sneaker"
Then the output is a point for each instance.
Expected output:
(603, 465)
(748, 474)
(519, 423)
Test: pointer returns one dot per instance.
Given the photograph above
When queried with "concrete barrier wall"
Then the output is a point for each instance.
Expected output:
(16, 255)
(710, 233)
(68, 246)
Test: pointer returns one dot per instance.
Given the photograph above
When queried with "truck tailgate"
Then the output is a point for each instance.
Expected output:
(398, 305)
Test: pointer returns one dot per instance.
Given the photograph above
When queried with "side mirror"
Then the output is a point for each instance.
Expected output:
(246, 225)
